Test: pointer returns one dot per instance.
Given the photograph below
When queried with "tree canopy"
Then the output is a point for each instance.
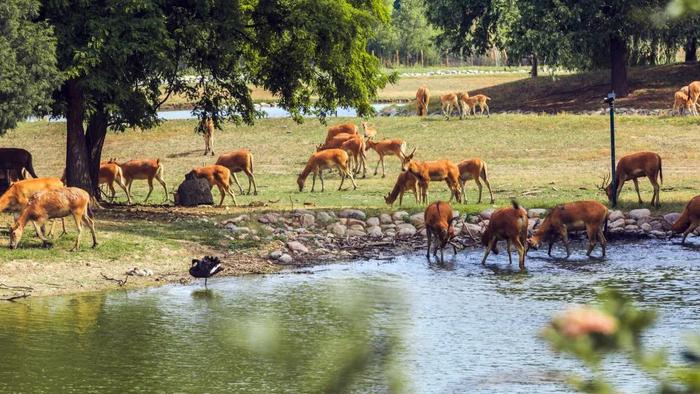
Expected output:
(121, 57)
(28, 71)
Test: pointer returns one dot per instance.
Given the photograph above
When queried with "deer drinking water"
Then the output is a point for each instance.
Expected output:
(689, 219)
(438, 223)
(509, 224)
(591, 216)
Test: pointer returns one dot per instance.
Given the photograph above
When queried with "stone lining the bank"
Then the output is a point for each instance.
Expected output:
(301, 237)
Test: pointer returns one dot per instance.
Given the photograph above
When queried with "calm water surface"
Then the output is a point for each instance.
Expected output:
(461, 327)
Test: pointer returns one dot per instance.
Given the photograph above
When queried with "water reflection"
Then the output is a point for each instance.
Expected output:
(446, 327)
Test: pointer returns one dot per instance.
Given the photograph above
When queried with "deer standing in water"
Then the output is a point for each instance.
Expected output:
(689, 219)
(509, 224)
(438, 223)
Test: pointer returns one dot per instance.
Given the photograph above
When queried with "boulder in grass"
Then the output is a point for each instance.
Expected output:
(193, 191)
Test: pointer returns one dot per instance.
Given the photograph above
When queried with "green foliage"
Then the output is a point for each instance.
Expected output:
(28, 71)
(585, 334)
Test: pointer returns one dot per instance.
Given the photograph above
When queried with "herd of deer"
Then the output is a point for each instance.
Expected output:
(461, 101)
(344, 149)
(686, 98)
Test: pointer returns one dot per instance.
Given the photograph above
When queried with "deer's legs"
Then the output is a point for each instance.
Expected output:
(488, 185)
(636, 188)
(521, 253)
(602, 240)
(480, 186)
(150, 189)
(592, 234)
(222, 193)
(655, 197)
(429, 234)
(464, 193)
(313, 182)
(689, 230)
(565, 238)
(91, 225)
(383, 171)
(37, 227)
(162, 182)
(510, 258)
(549, 250)
(488, 250)
(240, 188)
(78, 217)
(251, 179)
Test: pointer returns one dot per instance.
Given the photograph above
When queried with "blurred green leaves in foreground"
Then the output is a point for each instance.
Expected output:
(615, 326)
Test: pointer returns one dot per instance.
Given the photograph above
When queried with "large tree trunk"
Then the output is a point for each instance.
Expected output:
(95, 139)
(77, 161)
(691, 50)
(533, 67)
(618, 65)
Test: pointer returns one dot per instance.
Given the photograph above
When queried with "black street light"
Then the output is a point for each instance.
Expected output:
(610, 100)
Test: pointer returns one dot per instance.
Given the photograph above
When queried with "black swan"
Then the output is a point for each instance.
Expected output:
(206, 268)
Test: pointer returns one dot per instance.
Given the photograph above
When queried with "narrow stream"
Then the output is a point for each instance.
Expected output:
(461, 327)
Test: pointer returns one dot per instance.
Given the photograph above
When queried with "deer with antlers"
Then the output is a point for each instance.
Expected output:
(426, 171)
(326, 159)
(404, 182)
(631, 167)
(473, 169)
(439, 224)
(591, 216)
(448, 102)
(422, 101)
(394, 147)
(144, 169)
(237, 161)
(509, 224)
(689, 219)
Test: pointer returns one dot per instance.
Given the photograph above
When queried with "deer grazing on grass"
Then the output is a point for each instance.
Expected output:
(17, 197)
(207, 128)
(509, 224)
(694, 95)
(448, 102)
(144, 169)
(110, 173)
(591, 216)
(236, 161)
(14, 160)
(438, 223)
(56, 203)
(426, 171)
(326, 159)
(218, 176)
(689, 219)
(395, 147)
(404, 182)
(473, 169)
(631, 167)
(422, 101)
(334, 142)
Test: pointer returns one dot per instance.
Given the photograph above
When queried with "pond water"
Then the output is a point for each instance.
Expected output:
(456, 327)
(270, 112)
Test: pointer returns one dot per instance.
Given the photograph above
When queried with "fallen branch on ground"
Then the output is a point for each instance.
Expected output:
(120, 282)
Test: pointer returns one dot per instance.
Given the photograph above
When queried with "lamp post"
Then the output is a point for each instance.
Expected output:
(610, 100)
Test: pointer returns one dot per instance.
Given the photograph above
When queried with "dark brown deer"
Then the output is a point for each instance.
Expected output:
(13, 160)
(689, 219)
(509, 224)
(438, 223)
(574, 216)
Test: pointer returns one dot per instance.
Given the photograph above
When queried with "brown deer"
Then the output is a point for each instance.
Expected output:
(438, 223)
(681, 102)
(56, 203)
(693, 110)
(404, 182)
(236, 161)
(509, 224)
(467, 106)
(473, 169)
(18, 195)
(591, 216)
(144, 169)
(14, 160)
(633, 166)
(694, 95)
(438, 170)
(689, 219)
(207, 128)
(326, 159)
(335, 142)
(462, 102)
(448, 102)
(344, 128)
(422, 101)
(482, 101)
(369, 131)
(110, 172)
(355, 147)
(395, 147)
(218, 176)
